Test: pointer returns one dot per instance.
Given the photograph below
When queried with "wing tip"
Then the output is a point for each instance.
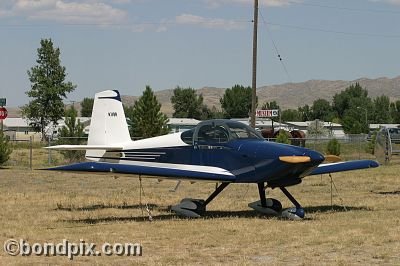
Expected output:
(373, 164)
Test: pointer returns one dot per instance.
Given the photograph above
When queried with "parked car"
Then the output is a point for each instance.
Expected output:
(394, 134)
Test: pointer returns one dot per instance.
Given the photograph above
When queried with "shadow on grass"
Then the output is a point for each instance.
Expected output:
(103, 206)
(171, 216)
(396, 192)
(213, 215)
(333, 208)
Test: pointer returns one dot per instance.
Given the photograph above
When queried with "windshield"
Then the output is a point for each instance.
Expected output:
(242, 131)
(215, 132)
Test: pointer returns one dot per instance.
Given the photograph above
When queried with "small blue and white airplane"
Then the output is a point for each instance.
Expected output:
(222, 151)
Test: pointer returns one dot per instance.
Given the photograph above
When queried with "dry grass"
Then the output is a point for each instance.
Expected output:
(42, 206)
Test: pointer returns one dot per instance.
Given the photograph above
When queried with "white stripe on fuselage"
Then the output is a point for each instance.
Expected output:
(185, 167)
(144, 153)
(165, 141)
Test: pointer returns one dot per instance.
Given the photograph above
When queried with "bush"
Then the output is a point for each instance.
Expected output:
(333, 147)
(282, 137)
(5, 148)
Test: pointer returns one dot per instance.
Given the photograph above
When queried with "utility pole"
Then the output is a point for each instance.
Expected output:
(254, 72)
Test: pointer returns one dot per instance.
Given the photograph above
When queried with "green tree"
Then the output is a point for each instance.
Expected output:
(395, 111)
(236, 102)
(48, 88)
(187, 104)
(146, 117)
(382, 112)
(291, 115)
(206, 113)
(354, 121)
(87, 107)
(270, 106)
(305, 113)
(351, 97)
(322, 109)
(5, 148)
(216, 113)
(351, 106)
(128, 110)
(72, 134)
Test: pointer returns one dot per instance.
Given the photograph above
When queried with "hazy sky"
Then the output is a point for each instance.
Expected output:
(128, 44)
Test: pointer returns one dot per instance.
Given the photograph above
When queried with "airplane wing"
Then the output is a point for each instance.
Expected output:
(343, 166)
(84, 147)
(176, 171)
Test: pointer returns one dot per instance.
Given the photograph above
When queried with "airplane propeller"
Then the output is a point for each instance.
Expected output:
(295, 159)
(332, 159)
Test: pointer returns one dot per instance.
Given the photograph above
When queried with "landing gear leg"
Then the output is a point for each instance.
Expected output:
(195, 208)
(296, 213)
(265, 205)
(261, 192)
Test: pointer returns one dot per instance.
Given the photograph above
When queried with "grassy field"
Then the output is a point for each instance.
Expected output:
(362, 226)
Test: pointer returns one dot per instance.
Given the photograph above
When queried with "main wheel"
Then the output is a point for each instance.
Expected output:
(192, 208)
(273, 206)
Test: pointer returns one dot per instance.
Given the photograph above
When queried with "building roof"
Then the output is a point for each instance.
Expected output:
(15, 122)
(20, 122)
(83, 120)
(260, 122)
(377, 126)
(183, 121)
(307, 123)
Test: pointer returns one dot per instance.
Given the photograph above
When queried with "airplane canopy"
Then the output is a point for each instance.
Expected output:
(218, 131)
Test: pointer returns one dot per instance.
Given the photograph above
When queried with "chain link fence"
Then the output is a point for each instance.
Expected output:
(28, 154)
(352, 147)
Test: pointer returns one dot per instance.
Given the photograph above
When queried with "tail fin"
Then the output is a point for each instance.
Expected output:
(108, 125)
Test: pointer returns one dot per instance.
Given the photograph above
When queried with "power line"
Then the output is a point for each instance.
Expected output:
(210, 22)
(348, 8)
(361, 34)
(276, 49)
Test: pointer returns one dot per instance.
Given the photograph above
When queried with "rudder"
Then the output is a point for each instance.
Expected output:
(108, 125)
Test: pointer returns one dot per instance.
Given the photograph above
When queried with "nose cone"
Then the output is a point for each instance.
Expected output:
(285, 165)
(316, 157)
(290, 154)
(302, 156)
(278, 164)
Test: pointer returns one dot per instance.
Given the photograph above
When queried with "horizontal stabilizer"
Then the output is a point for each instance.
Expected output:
(85, 147)
(344, 166)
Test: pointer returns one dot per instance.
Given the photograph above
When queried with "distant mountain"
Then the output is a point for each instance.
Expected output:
(288, 95)
(293, 95)
(211, 98)
(14, 112)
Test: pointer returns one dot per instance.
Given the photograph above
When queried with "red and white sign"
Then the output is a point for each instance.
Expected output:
(267, 113)
(3, 113)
